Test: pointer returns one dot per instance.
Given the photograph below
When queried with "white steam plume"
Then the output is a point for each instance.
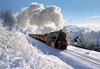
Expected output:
(37, 14)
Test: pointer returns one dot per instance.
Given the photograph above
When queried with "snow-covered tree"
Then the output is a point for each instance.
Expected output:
(8, 19)
(88, 40)
(79, 40)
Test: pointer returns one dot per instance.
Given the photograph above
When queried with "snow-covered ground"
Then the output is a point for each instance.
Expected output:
(75, 62)
(17, 53)
(86, 52)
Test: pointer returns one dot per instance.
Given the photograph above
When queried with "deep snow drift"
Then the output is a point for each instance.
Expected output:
(17, 53)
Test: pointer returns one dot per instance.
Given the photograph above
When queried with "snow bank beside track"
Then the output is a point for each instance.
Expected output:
(17, 53)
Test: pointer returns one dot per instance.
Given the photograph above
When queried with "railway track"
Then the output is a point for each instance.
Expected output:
(91, 60)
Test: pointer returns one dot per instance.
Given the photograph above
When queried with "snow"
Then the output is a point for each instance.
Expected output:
(75, 62)
(84, 37)
(17, 53)
(85, 52)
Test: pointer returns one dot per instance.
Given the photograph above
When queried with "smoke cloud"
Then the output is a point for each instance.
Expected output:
(45, 18)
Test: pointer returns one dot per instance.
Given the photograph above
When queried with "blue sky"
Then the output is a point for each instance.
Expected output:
(71, 9)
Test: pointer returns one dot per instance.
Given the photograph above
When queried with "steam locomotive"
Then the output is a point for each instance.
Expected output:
(55, 39)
